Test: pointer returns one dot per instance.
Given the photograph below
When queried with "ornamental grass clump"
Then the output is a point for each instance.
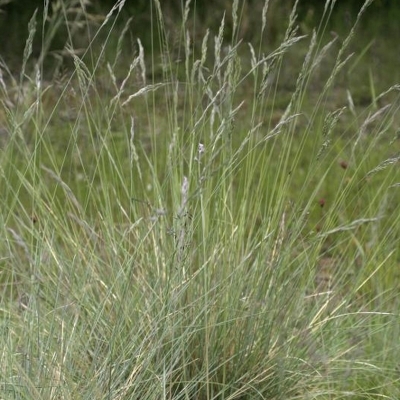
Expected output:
(213, 219)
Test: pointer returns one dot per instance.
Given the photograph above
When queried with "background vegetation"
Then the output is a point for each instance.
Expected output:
(199, 204)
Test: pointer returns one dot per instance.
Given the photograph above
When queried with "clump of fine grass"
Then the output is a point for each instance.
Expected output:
(188, 238)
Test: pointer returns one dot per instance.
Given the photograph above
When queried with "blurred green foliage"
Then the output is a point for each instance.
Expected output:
(381, 18)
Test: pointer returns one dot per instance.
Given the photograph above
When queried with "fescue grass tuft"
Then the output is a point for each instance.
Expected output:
(206, 221)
